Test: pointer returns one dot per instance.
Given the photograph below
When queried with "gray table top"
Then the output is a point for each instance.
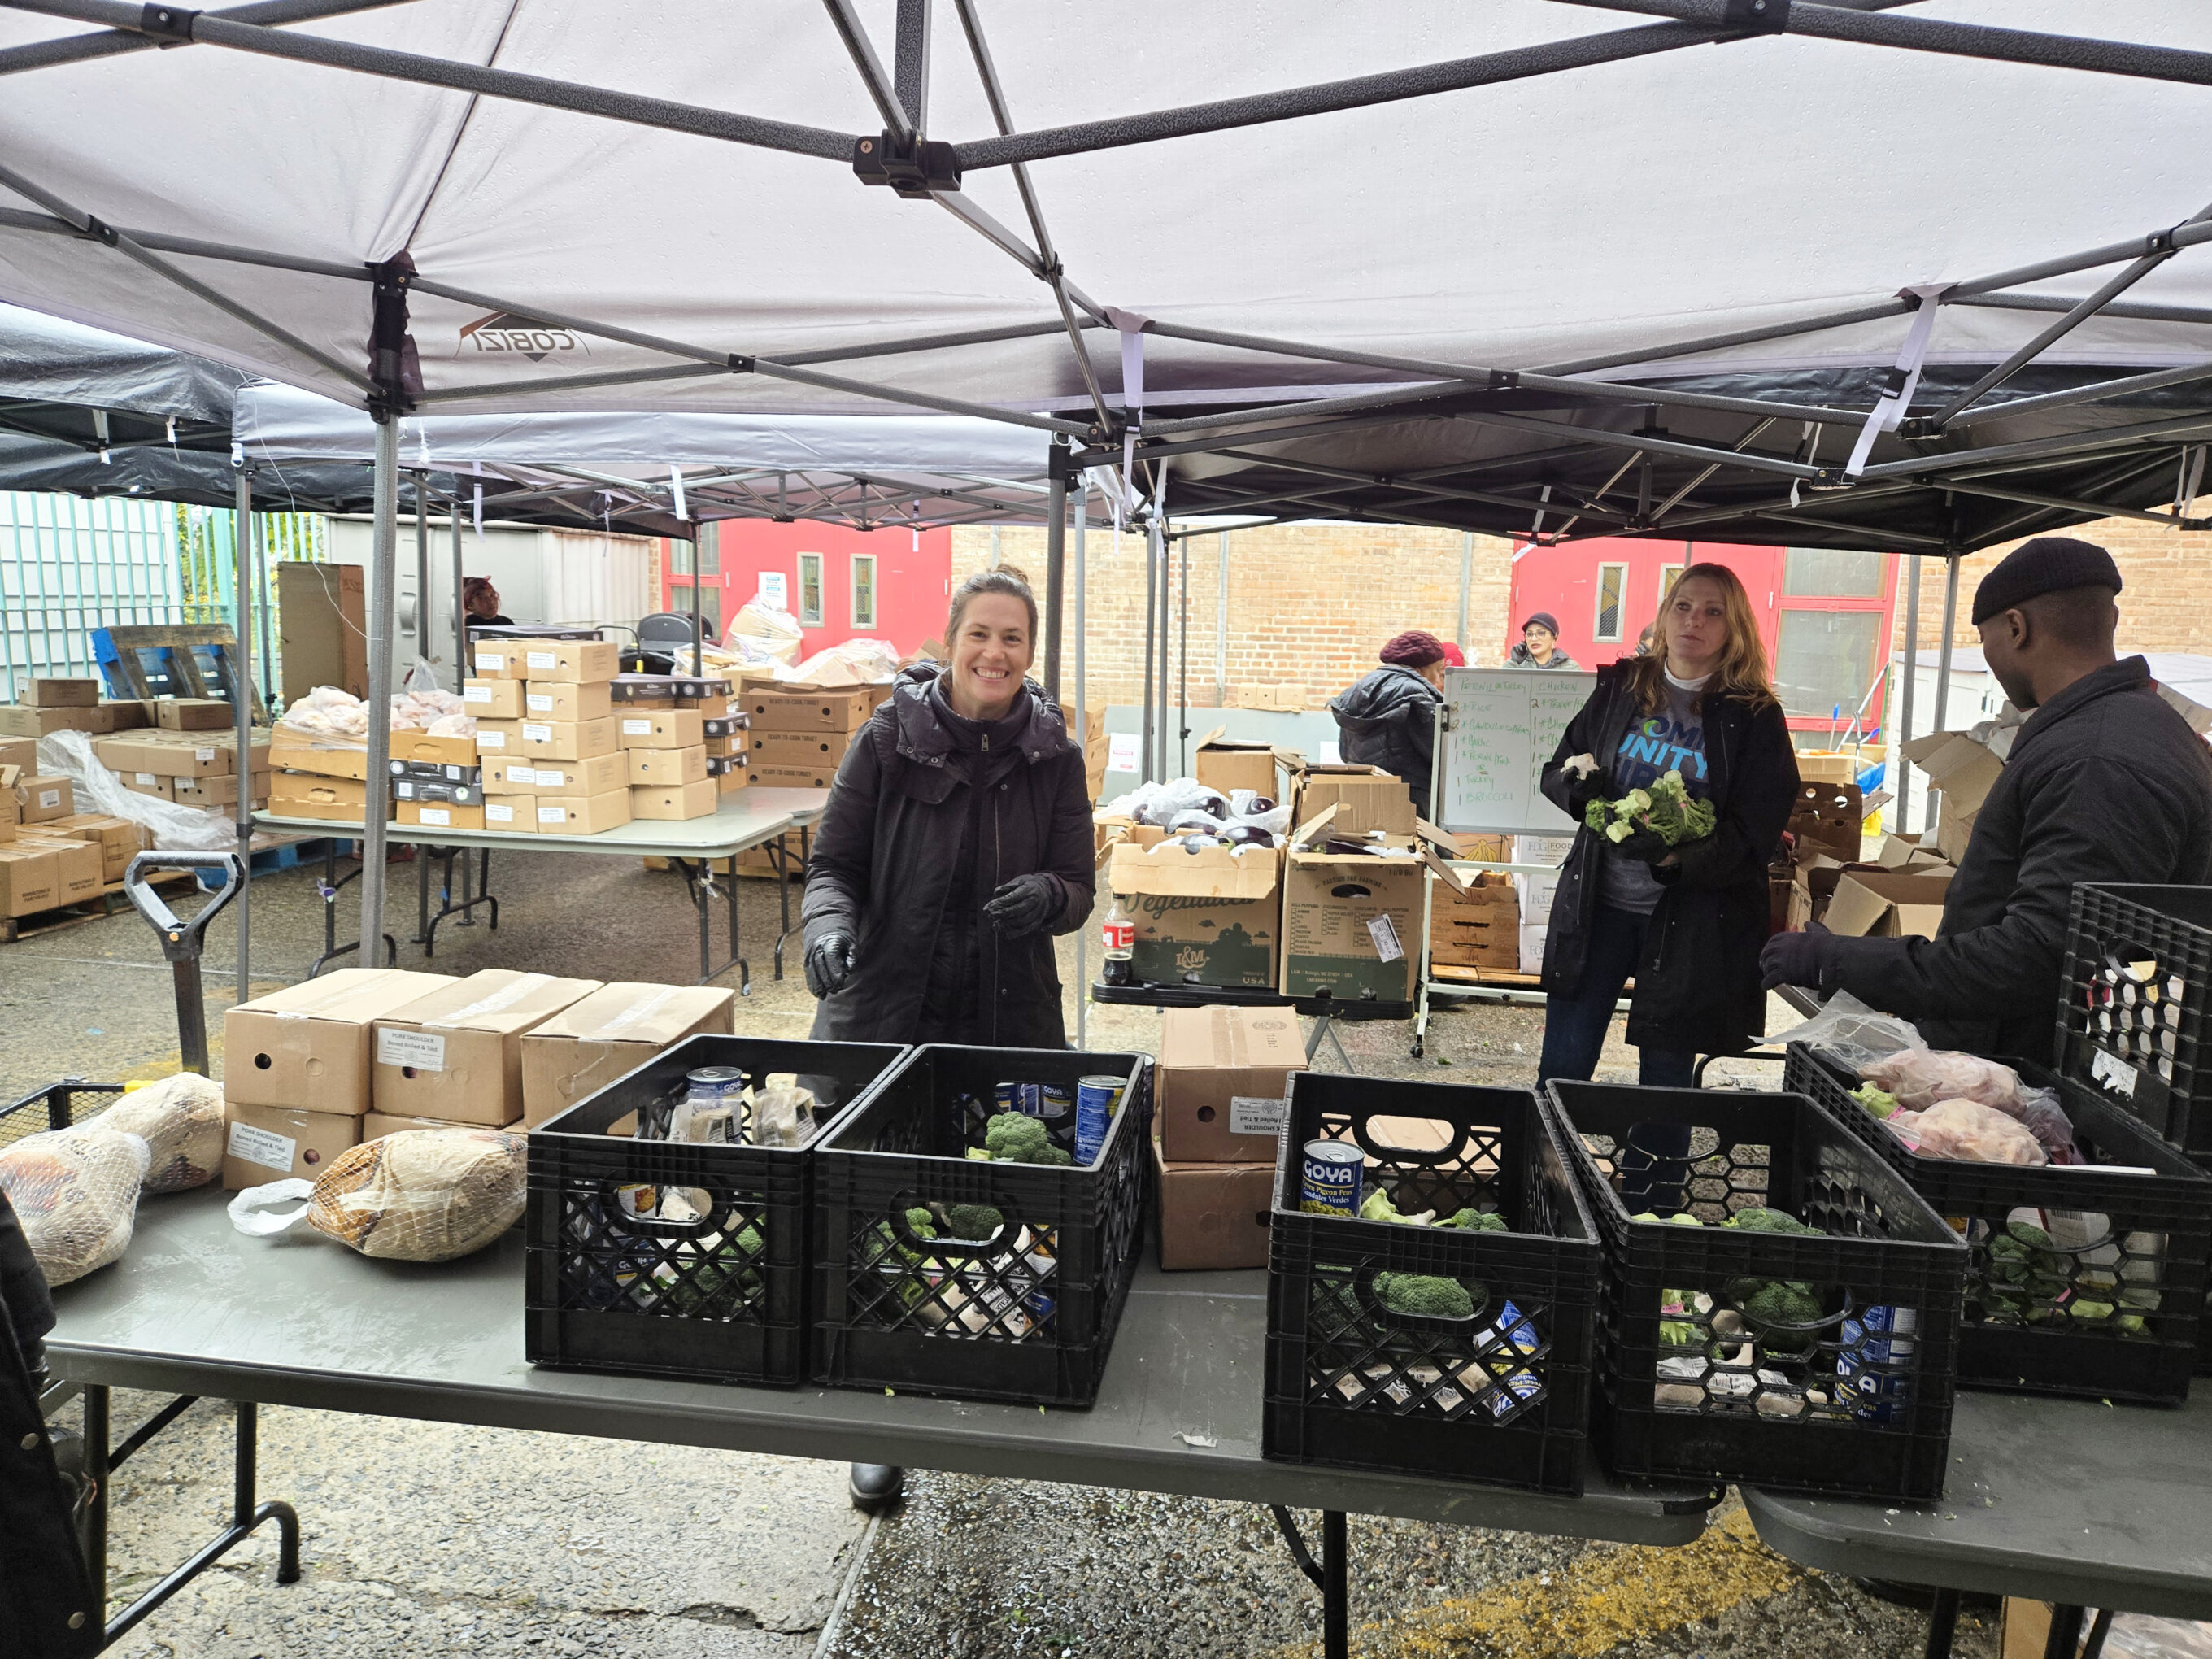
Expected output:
(2062, 1500)
(805, 806)
(299, 1320)
(737, 826)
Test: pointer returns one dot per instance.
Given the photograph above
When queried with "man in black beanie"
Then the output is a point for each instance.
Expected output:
(2104, 783)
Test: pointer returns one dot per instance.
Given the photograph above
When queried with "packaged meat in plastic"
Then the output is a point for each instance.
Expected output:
(180, 1120)
(1967, 1130)
(1921, 1077)
(418, 1195)
(75, 1192)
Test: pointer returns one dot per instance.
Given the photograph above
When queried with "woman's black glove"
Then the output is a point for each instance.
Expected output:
(1023, 905)
(1646, 846)
(1586, 789)
(830, 964)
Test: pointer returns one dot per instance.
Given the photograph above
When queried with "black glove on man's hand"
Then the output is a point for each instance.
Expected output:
(1798, 959)
(1023, 905)
(1647, 845)
(830, 964)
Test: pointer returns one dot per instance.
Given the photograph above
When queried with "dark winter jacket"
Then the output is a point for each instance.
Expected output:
(1697, 986)
(1388, 719)
(927, 819)
(43, 1581)
(1518, 657)
(2104, 783)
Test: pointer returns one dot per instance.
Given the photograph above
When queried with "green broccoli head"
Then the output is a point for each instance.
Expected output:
(972, 1221)
(1478, 1221)
(1423, 1296)
(1594, 815)
(1378, 1206)
(1880, 1102)
(1771, 1305)
(1015, 1136)
(1049, 1153)
(1760, 1220)
(921, 1223)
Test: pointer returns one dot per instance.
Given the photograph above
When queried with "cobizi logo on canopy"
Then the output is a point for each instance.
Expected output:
(510, 332)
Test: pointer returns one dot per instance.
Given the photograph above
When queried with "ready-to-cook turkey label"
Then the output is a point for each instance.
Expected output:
(490, 739)
(552, 815)
(435, 815)
(637, 728)
(495, 813)
(491, 662)
(542, 659)
(532, 732)
(424, 1051)
(476, 693)
(536, 704)
(263, 1146)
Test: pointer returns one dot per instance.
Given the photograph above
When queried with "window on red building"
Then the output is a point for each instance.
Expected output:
(1611, 601)
(864, 590)
(810, 590)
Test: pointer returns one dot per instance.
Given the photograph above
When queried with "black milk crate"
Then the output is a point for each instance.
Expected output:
(1026, 1314)
(1769, 1365)
(1500, 1395)
(2134, 1004)
(611, 1291)
(2137, 1243)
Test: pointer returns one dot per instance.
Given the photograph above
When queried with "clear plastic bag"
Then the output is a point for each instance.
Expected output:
(175, 828)
(1971, 1132)
(180, 1120)
(1854, 1034)
(418, 1195)
(1921, 1077)
(75, 1193)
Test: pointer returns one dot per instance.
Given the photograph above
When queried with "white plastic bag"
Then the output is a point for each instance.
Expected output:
(75, 1193)
(1853, 1034)
(176, 829)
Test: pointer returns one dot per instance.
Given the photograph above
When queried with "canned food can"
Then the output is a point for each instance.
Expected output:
(1056, 1106)
(1872, 1393)
(723, 1083)
(1097, 1100)
(1021, 1098)
(1329, 1177)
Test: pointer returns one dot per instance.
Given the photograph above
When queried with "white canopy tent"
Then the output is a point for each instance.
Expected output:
(1862, 273)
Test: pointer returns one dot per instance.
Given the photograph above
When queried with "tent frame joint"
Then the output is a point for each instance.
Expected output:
(171, 25)
(915, 167)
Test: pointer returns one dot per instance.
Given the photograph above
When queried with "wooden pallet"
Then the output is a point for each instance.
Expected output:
(40, 923)
(1505, 978)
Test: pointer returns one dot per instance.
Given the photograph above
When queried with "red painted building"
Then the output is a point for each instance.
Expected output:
(888, 584)
(1824, 615)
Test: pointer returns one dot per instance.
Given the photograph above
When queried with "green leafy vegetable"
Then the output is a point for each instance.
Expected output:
(1666, 809)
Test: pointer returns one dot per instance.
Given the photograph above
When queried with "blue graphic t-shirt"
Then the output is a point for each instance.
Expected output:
(1672, 739)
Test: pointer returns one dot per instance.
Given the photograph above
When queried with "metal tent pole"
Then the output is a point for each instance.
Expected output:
(1151, 619)
(421, 570)
(383, 602)
(242, 715)
(1221, 626)
(1183, 671)
(1055, 560)
(1083, 732)
(1466, 585)
(460, 609)
(1911, 683)
(1159, 548)
(698, 575)
(1943, 658)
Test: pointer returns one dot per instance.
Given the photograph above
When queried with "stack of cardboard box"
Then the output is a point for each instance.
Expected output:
(682, 743)
(547, 738)
(1899, 892)
(799, 734)
(1479, 927)
(1536, 889)
(52, 704)
(1223, 1079)
(611, 1032)
(191, 767)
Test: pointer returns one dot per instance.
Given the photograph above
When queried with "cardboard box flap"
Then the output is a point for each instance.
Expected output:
(1865, 900)
(1217, 740)
(494, 999)
(1303, 834)
(1445, 873)
(632, 1011)
(353, 994)
(1170, 869)
(1220, 1039)
(1956, 765)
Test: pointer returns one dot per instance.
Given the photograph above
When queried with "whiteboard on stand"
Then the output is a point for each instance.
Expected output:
(1504, 725)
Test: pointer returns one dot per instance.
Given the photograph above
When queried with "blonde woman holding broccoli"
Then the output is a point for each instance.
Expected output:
(1657, 896)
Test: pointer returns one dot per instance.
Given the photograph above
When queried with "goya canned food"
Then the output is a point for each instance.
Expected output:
(1329, 1176)
(1097, 1100)
(1021, 1098)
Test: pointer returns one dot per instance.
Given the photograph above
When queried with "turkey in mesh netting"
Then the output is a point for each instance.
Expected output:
(180, 1120)
(75, 1192)
(418, 1195)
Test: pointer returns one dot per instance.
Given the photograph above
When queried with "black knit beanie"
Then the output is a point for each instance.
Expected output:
(2049, 564)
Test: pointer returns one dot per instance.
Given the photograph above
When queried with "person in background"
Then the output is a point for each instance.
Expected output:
(1389, 718)
(1454, 657)
(480, 599)
(2104, 782)
(1539, 645)
(1685, 922)
(957, 842)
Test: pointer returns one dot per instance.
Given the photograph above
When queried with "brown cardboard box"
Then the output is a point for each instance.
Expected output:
(21, 753)
(1955, 826)
(815, 751)
(501, 661)
(566, 779)
(20, 722)
(375, 1126)
(582, 815)
(1828, 818)
(456, 1054)
(725, 748)
(711, 709)
(727, 783)
(118, 839)
(1366, 796)
(516, 814)
(675, 801)
(1962, 773)
(615, 1030)
(663, 728)
(330, 760)
(493, 700)
(193, 714)
(560, 740)
(793, 777)
(28, 876)
(800, 711)
(1350, 926)
(174, 755)
(320, 791)
(213, 789)
(1203, 918)
(656, 768)
(1880, 904)
(310, 1041)
(1213, 1215)
(1222, 1078)
(1284, 696)
(567, 702)
(1223, 763)
(497, 741)
(127, 715)
(440, 751)
(64, 694)
(438, 815)
(40, 797)
(570, 661)
(150, 783)
(1828, 765)
(78, 865)
(325, 628)
(263, 1144)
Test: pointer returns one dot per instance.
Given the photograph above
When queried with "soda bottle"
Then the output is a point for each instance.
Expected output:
(1119, 933)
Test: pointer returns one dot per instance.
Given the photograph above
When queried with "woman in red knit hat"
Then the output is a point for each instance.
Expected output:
(1388, 719)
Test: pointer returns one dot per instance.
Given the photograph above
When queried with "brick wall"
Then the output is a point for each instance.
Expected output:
(2162, 608)
(1309, 603)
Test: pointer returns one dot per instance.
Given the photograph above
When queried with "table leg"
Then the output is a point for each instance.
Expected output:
(1942, 1621)
(783, 857)
(96, 1472)
(1328, 1576)
(703, 897)
(422, 856)
(1325, 1028)
(730, 898)
(2065, 1641)
(331, 883)
(2094, 1647)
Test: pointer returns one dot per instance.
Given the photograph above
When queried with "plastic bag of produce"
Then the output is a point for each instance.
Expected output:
(75, 1192)
(1853, 1034)
(1969, 1131)
(418, 1195)
(1921, 1077)
(180, 1120)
